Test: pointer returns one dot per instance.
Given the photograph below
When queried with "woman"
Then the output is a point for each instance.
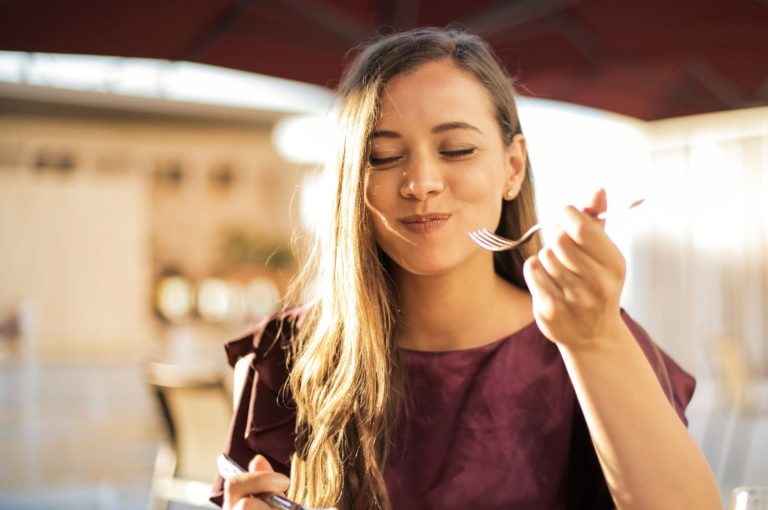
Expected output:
(430, 373)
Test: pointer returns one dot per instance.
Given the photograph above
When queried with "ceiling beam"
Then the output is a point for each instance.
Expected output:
(492, 21)
(721, 87)
(225, 22)
(330, 17)
(576, 33)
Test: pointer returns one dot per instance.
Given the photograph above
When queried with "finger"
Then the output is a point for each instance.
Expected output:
(561, 275)
(259, 463)
(539, 282)
(545, 295)
(246, 484)
(573, 257)
(598, 204)
(257, 504)
(251, 503)
(576, 290)
(589, 234)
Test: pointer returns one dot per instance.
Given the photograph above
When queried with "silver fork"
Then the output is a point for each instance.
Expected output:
(490, 241)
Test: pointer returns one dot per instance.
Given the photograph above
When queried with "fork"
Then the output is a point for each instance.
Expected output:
(490, 241)
(228, 468)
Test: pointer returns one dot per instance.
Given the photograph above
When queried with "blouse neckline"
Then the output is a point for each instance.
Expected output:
(469, 350)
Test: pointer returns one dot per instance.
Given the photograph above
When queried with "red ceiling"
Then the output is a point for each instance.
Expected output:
(645, 58)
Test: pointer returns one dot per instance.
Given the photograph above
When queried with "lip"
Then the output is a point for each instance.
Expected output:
(424, 223)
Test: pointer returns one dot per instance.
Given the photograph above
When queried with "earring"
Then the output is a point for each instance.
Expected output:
(510, 193)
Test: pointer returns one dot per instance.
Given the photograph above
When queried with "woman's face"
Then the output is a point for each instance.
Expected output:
(438, 168)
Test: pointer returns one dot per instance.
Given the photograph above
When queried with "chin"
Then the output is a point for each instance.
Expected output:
(425, 266)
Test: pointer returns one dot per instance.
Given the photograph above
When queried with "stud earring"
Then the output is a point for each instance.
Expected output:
(510, 193)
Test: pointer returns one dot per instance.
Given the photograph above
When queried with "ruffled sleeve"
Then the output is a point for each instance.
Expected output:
(678, 385)
(263, 422)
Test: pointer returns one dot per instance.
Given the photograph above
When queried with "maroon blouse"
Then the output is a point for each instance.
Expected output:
(495, 426)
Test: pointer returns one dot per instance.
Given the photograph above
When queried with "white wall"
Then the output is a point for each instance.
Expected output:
(77, 249)
(697, 250)
(85, 245)
(704, 250)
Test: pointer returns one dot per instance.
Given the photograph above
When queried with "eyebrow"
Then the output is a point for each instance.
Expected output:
(440, 128)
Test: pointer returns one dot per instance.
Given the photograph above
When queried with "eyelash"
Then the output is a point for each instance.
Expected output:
(459, 152)
(382, 161)
(377, 162)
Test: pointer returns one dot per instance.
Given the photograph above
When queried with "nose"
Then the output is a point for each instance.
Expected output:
(421, 179)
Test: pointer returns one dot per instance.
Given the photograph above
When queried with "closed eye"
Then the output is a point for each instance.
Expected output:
(459, 152)
(382, 162)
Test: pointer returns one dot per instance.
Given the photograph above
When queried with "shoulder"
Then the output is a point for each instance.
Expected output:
(677, 383)
(264, 350)
(264, 413)
(272, 335)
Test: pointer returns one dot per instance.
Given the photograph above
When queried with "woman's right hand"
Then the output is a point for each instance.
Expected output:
(260, 479)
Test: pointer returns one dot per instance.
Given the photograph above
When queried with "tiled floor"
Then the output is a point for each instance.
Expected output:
(76, 436)
(83, 436)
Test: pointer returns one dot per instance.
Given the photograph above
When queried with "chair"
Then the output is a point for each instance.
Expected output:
(196, 409)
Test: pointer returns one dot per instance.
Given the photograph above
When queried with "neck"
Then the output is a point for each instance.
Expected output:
(465, 307)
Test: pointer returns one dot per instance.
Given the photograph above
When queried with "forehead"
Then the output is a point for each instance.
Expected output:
(436, 91)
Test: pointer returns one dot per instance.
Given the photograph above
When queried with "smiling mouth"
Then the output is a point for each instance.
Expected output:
(424, 223)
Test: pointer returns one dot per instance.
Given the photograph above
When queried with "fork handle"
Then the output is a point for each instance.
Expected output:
(603, 215)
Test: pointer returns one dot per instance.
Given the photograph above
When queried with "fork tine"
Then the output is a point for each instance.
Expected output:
(477, 239)
(476, 236)
(494, 240)
(490, 241)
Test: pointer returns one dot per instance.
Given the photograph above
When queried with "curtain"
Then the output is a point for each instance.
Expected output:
(699, 259)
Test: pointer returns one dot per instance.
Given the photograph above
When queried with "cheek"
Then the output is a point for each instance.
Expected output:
(380, 203)
(481, 191)
(374, 194)
(482, 179)
(382, 193)
(381, 188)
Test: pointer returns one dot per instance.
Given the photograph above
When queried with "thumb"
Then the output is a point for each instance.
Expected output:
(259, 463)
(597, 205)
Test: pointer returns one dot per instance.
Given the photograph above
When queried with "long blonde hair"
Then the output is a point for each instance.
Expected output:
(345, 378)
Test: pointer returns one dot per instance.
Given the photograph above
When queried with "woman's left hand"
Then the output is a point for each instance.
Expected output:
(576, 282)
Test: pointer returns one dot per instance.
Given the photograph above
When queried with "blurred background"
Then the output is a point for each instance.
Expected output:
(156, 159)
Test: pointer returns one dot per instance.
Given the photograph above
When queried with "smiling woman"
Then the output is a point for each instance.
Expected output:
(438, 165)
(430, 373)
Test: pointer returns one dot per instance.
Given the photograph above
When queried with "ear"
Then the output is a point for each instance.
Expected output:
(515, 158)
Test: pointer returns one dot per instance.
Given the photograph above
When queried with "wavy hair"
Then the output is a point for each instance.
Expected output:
(345, 378)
